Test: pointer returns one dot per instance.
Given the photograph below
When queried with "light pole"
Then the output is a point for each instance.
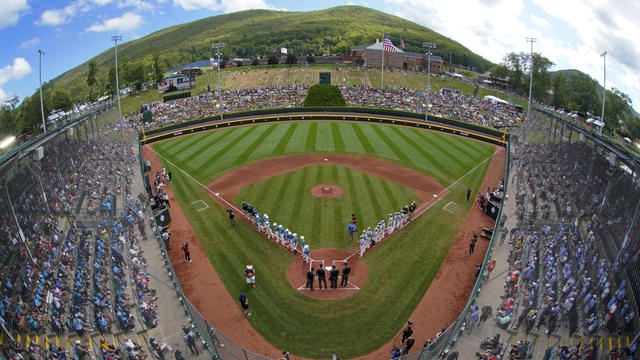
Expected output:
(218, 46)
(44, 124)
(530, 40)
(429, 46)
(604, 88)
(115, 39)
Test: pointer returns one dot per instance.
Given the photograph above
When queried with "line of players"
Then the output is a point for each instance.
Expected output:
(277, 233)
(369, 238)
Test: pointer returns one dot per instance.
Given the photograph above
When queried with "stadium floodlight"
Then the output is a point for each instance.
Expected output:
(44, 124)
(530, 40)
(115, 39)
(604, 88)
(429, 46)
(218, 46)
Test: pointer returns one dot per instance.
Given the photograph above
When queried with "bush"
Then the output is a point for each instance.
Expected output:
(273, 60)
(324, 95)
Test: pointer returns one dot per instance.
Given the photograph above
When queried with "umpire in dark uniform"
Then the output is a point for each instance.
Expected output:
(322, 278)
(310, 276)
(333, 277)
(345, 275)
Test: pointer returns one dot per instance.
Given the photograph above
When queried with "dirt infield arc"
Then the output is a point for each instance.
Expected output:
(440, 306)
(229, 184)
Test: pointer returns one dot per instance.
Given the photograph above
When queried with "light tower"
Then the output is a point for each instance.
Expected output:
(115, 39)
(530, 40)
(429, 46)
(218, 46)
(604, 88)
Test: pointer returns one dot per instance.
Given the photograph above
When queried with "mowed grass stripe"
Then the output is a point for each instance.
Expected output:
(284, 140)
(395, 148)
(362, 139)
(298, 140)
(220, 153)
(339, 217)
(300, 192)
(437, 147)
(184, 141)
(264, 189)
(316, 230)
(372, 193)
(434, 165)
(191, 151)
(310, 144)
(355, 204)
(324, 138)
(351, 143)
(282, 191)
(256, 143)
(464, 154)
(338, 144)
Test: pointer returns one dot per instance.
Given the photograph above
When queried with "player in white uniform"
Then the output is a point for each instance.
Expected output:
(294, 242)
(281, 234)
(306, 253)
(390, 225)
(363, 245)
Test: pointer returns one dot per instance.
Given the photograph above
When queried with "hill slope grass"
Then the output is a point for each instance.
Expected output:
(404, 266)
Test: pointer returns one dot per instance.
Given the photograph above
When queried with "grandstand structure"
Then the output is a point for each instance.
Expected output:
(76, 265)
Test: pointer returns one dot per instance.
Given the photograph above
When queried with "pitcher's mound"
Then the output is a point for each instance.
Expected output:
(297, 273)
(326, 191)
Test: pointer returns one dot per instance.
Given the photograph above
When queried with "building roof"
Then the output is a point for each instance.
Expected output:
(359, 47)
(378, 46)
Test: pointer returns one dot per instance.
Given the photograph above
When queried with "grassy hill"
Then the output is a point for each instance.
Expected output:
(253, 33)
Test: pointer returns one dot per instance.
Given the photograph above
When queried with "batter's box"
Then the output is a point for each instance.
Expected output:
(200, 205)
(452, 207)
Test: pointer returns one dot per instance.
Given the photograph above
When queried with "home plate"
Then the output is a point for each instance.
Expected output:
(435, 195)
(325, 159)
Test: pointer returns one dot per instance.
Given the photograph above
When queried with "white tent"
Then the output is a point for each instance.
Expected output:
(495, 99)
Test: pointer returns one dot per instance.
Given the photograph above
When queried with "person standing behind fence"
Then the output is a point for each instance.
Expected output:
(190, 340)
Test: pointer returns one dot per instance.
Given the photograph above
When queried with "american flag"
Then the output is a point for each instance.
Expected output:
(387, 45)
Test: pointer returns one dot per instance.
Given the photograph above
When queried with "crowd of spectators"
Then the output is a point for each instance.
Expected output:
(68, 246)
(446, 103)
(574, 251)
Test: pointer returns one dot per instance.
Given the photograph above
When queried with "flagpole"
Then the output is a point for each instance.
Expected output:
(44, 123)
(382, 70)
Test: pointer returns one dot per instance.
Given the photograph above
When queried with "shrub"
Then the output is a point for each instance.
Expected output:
(324, 95)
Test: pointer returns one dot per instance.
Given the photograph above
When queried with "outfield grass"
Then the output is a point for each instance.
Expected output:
(400, 271)
(323, 222)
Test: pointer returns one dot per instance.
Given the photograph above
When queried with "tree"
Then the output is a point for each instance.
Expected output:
(292, 59)
(29, 113)
(359, 61)
(157, 69)
(584, 95)
(91, 78)
(617, 108)
(135, 74)
(311, 59)
(60, 100)
(513, 63)
(559, 97)
(8, 116)
(238, 63)
(255, 62)
(273, 60)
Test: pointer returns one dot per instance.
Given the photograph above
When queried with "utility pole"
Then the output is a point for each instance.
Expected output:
(604, 88)
(530, 40)
(44, 124)
(115, 39)
(218, 46)
(429, 46)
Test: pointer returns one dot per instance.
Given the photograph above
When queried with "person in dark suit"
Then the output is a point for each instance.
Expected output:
(345, 275)
(310, 276)
(333, 277)
(322, 278)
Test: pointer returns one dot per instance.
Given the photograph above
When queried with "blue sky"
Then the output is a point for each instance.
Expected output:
(572, 33)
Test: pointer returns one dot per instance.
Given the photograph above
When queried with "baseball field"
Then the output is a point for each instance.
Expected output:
(400, 269)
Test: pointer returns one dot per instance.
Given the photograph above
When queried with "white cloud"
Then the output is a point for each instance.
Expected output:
(226, 6)
(29, 43)
(571, 33)
(16, 71)
(55, 17)
(137, 4)
(543, 23)
(127, 21)
(11, 12)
